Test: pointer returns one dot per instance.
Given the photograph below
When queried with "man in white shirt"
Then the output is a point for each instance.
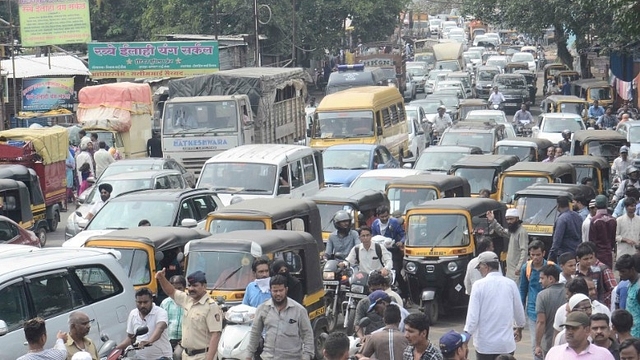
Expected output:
(496, 97)
(102, 158)
(369, 257)
(586, 224)
(155, 343)
(628, 229)
(495, 316)
(621, 163)
(472, 275)
(105, 194)
(442, 120)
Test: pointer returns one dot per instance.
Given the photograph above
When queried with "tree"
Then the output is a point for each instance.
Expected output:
(375, 20)
(116, 20)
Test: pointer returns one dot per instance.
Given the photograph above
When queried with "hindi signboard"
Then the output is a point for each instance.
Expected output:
(44, 94)
(153, 59)
(54, 22)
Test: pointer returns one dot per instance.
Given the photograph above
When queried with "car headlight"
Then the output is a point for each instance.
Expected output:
(357, 289)
(411, 267)
(452, 266)
(328, 275)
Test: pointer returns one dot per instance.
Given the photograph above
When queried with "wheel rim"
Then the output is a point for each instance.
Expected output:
(42, 235)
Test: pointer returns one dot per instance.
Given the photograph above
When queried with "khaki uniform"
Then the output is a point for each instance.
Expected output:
(89, 347)
(198, 322)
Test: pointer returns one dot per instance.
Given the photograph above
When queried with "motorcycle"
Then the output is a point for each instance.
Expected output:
(119, 354)
(524, 130)
(235, 335)
(336, 285)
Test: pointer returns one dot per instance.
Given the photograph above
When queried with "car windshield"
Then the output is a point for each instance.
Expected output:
(510, 82)
(487, 75)
(513, 184)
(496, 62)
(449, 101)
(447, 85)
(417, 71)
(370, 183)
(428, 58)
(573, 108)
(327, 211)
(556, 125)
(440, 75)
(479, 178)
(435, 230)
(237, 178)
(537, 210)
(430, 107)
(473, 55)
(210, 116)
(219, 226)
(600, 93)
(402, 199)
(346, 159)
(634, 134)
(522, 57)
(119, 187)
(344, 124)
(127, 214)
(483, 141)
(116, 168)
(449, 65)
(524, 153)
(225, 270)
(484, 118)
(136, 265)
(438, 161)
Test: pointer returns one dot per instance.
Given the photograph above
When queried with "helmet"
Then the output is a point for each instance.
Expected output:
(340, 216)
(631, 169)
(566, 132)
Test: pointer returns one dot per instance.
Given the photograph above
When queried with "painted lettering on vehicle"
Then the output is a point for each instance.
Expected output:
(199, 142)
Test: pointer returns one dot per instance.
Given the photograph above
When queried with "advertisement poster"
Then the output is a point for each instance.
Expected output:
(153, 59)
(54, 22)
(44, 94)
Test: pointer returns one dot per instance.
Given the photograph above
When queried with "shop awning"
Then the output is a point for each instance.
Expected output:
(31, 66)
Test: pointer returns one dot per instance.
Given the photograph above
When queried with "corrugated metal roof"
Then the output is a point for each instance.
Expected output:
(31, 66)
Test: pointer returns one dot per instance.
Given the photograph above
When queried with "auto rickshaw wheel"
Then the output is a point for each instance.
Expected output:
(41, 233)
(53, 223)
(431, 308)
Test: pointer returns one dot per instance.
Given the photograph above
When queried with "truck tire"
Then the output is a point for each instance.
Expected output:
(41, 233)
(53, 223)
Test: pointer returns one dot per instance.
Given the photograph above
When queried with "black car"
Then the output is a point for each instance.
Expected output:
(514, 88)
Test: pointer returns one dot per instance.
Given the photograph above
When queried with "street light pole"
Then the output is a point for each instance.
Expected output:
(293, 35)
(255, 29)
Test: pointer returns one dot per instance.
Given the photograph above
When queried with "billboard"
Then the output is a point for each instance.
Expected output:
(153, 59)
(44, 94)
(54, 22)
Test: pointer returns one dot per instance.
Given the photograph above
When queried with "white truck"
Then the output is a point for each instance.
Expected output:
(208, 114)
(449, 56)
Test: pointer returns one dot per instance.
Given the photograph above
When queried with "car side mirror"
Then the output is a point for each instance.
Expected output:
(284, 190)
(3, 328)
(188, 223)
(159, 255)
(407, 166)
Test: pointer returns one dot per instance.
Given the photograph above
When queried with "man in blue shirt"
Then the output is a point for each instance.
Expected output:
(608, 120)
(595, 111)
(390, 227)
(258, 291)
(567, 231)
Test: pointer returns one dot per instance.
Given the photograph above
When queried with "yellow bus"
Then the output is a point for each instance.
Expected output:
(362, 115)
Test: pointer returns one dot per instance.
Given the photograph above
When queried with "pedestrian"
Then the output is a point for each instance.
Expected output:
(620, 210)
(102, 159)
(630, 349)
(389, 342)
(494, 308)
(577, 329)
(417, 335)
(390, 227)
(174, 315)
(94, 140)
(154, 145)
(105, 194)
(586, 223)
(294, 287)
(285, 324)
(375, 282)
(336, 346)
(454, 346)
(582, 206)
(380, 300)
(382, 283)
(472, 275)
(621, 163)
(155, 343)
(567, 230)
(628, 229)
(567, 263)
(77, 340)
(608, 278)
(518, 241)
(577, 286)
(602, 232)
(201, 320)
(627, 268)
(621, 323)
(35, 333)
(547, 303)
(70, 167)
(257, 291)
(84, 157)
(577, 303)
(601, 334)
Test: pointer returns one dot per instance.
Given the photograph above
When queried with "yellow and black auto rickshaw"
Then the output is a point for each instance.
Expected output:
(511, 68)
(567, 75)
(440, 241)
(605, 143)
(527, 149)
(226, 260)
(550, 71)
(593, 89)
(565, 104)
(404, 193)
(483, 171)
(15, 204)
(468, 105)
(595, 167)
(361, 204)
(523, 174)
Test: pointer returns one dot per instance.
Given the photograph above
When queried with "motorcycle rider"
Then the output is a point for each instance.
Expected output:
(442, 120)
(595, 111)
(369, 257)
(344, 238)
(633, 179)
(523, 116)
(258, 291)
(496, 97)
(608, 120)
(621, 163)
(565, 143)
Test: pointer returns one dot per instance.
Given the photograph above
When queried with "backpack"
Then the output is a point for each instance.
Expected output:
(528, 268)
(378, 253)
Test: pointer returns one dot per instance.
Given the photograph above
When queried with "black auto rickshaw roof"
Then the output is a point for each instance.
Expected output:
(526, 141)
(555, 66)
(471, 161)
(262, 242)
(551, 168)
(597, 162)
(476, 206)
(598, 135)
(160, 238)
(359, 199)
(16, 172)
(555, 190)
(442, 182)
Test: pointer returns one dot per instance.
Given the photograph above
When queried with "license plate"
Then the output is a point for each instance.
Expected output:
(331, 282)
(357, 296)
(510, 104)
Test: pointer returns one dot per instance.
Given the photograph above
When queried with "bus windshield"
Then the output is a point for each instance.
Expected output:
(198, 117)
(344, 124)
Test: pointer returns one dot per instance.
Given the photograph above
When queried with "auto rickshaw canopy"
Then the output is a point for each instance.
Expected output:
(597, 162)
(441, 182)
(20, 211)
(359, 199)
(552, 169)
(500, 162)
(26, 175)
(539, 144)
(160, 238)
(585, 136)
(555, 189)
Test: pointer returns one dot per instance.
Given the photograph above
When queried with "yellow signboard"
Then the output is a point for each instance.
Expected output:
(54, 22)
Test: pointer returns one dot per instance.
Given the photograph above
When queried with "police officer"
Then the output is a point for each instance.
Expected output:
(202, 319)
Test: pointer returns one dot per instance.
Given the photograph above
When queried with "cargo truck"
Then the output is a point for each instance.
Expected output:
(449, 56)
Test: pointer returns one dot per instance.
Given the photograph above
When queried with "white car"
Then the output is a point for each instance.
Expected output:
(450, 85)
(420, 74)
(498, 61)
(434, 77)
(474, 57)
(495, 37)
(377, 179)
(497, 116)
(410, 88)
(478, 49)
(526, 58)
(551, 125)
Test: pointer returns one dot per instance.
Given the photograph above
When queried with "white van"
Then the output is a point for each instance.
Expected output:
(53, 282)
(263, 170)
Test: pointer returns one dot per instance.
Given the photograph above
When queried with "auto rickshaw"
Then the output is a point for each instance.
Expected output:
(268, 214)
(361, 204)
(593, 89)
(144, 250)
(226, 260)
(565, 104)
(15, 204)
(563, 76)
(525, 148)
(404, 193)
(523, 174)
(440, 241)
(605, 143)
(595, 167)
(483, 171)
(510, 68)
(29, 177)
(467, 105)
(550, 72)
(538, 209)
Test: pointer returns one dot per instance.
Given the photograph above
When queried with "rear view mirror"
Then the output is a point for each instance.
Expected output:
(188, 223)
(407, 166)
(159, 255)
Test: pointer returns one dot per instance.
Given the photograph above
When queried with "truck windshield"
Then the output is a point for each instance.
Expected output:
(218, 116)
(106, 136)
(344, 124)
(435, 230)
(225, 270)
(402, 199)
(239, 178)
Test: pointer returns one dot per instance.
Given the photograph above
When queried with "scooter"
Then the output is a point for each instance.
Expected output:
(128, 353)
(235, 335)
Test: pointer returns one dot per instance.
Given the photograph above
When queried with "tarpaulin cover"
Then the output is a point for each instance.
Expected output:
(51, 143)
(110, 106)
